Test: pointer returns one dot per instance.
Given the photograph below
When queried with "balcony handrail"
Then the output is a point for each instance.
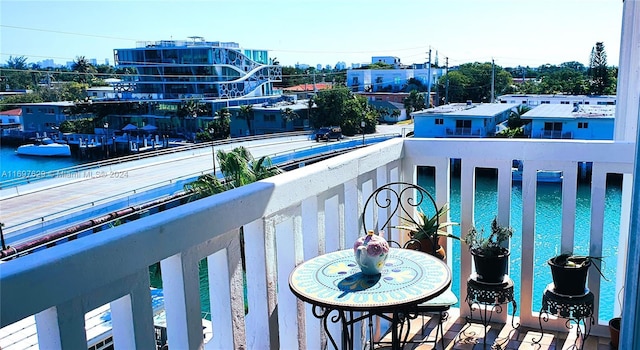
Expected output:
(285, 220)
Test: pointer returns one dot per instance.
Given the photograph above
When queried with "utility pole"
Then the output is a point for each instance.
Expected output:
(315, 90)
(429, 80)
(446, 85)
(493, 75)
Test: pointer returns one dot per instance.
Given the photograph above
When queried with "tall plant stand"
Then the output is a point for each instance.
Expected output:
(487, 298)
(576, 309)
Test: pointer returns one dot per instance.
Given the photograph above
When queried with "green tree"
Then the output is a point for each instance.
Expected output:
(217, 129)
(599, 81)
(476, 84)
(415, 84)
(562, 81)
(414, 102)
(238, 168)
(246, 113)
(15, 75)
(189, 111)
(84, 69)
(331, 107)
(458, 84)
(15, 101)
(515, 120)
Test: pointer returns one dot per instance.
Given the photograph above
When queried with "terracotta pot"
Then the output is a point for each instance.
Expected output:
(614, 331)
(491, 269)
(569, 280)
(426, 245)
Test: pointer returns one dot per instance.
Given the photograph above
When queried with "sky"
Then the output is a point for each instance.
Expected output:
(511, 32)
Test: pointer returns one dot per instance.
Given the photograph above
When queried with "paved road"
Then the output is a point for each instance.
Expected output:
(48, 204)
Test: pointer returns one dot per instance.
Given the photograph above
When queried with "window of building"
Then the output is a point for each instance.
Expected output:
(545, 102)
(439, 121)
(269, 118)
(463, 124)
(583, 125)
(355, 81)
(28, 110)
(586, 102)
(549, 126)
(564, 102)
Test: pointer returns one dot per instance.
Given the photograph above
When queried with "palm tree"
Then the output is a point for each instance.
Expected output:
(288, 115)
(514, 120)
(82, 66)
(191, 109)
(246, 113)
(238, 168)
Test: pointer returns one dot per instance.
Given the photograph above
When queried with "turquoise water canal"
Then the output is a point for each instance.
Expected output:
(13, 166)
(547, 240)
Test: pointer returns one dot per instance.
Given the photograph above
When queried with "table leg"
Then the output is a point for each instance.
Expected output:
(323, 314)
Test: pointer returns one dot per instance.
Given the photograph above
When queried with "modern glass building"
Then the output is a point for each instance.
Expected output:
(175, 69)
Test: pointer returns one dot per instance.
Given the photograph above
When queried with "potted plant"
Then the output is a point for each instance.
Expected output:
(569, 273)
(490, 256)
(425, 232)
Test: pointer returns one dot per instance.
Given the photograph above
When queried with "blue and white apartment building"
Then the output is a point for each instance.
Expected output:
(461, 120)
(389, 80)
(177, 69)
(562, 121)
(533, 100)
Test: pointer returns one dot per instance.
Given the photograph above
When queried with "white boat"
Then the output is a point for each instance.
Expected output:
(44, 147)
(542, 175)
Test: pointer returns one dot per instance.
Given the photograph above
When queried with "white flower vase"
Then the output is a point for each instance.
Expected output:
(371, 252)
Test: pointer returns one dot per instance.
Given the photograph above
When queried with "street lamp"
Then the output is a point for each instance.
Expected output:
(213, 151)
(362, 125)
(106, 138)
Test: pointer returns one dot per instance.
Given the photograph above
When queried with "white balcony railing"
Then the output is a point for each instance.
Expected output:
(286, 219)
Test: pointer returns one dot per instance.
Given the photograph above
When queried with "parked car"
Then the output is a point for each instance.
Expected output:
(328, 133)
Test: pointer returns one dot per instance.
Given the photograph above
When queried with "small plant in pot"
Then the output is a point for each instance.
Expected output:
(569, 273)
(490, 256)
(425, 232)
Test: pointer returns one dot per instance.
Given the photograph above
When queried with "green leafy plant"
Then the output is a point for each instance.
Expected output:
(425, 227)
(489, 245)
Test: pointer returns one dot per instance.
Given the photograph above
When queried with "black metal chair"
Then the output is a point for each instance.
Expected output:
(401, 199)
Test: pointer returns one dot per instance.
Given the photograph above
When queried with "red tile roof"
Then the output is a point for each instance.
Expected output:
(308, 87)
(12, 112)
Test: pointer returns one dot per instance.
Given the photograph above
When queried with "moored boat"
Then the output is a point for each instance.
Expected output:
(44, 147)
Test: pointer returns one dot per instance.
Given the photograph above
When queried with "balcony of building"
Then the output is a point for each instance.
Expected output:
(291, 218)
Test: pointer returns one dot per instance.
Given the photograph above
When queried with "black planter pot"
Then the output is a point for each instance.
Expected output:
(569, 280)
(491, 269)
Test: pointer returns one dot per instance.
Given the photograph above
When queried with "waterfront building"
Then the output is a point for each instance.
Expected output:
(44, 116)
(533, 100)
(177, 69)
(10, 119)
(562, 121)
(271, 117)
(461, 120)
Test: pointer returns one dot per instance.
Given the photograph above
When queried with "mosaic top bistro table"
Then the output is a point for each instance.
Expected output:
(333, 282)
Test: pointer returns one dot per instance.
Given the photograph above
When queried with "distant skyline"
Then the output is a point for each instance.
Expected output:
(512, 32)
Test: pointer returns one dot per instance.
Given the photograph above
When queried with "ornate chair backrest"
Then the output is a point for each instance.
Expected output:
(400, 199)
